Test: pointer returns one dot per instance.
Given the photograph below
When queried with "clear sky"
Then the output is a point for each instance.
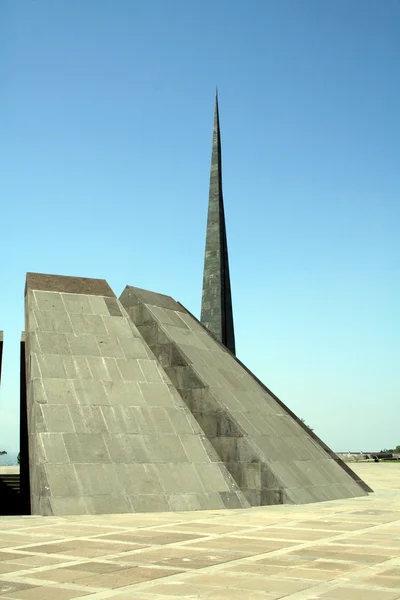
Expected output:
(106, 115)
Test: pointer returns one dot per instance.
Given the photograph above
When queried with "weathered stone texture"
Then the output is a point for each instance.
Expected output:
(108, 432)
(272, 458)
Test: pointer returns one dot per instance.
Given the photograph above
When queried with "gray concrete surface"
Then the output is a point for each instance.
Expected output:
(108, 432)
(272, 457)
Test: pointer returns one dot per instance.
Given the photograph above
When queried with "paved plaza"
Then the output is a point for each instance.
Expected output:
(342, 549)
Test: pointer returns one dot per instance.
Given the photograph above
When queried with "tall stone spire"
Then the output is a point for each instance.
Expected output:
(216, 306)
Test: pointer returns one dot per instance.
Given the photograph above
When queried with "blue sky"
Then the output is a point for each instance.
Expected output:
(106, 114)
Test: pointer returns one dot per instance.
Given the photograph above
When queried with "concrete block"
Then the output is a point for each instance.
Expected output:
(162, 315)
(57, 322)
(57, 418)
(158, 394)
(181, 502)
(247, 450)
(108, 346)
(110, 504)
(181, 336)
(98, 368)
(180, 478)
(114, 373)
(53, 448)
(52, 343)
(67, 506)
(226, 425)
(91, 391)
(194, 449)
(77, 303)
(234, 500)
(86, 324)
(83, 345)
(252, 475)
(49, 365)
(114, 307)
(253, 497)
(86, 419)
(98, 306)
(210, 478)
(77, 367)
(49, 301)
(130, 370)
(63, 478)
(160, 421)
(227, 449)
(150, 370)
(290, 476)
(123, 392)
(140, 478)
(133, 348)
(86, 448)
(127, 448)
(207, 422)
(166, 448)
(150, 333)
(58, 391)
(118, 327)
(150, 503)
(36, 419)
(39, 392)
(211, 501)
(97, 479)
(182, 421)
(120, 419)
(271, 497)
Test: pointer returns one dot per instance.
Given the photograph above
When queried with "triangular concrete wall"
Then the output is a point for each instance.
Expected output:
(270, 454)
(108, 432)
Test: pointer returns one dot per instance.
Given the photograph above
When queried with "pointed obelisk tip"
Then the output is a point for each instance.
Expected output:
(216, 306)
(216, 110)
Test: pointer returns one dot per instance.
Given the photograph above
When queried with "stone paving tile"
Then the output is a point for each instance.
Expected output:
(46, 593)
(9, 556)
(353, 593)
(175, 590)
(96, 567)
(84, 548)
(185, 557)
(9, 587)
(339, 567)
(381, 581)
(125, 577)
(25, 561)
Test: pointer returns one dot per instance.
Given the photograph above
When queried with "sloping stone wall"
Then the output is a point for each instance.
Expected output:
(271, 457)
(108, 432)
